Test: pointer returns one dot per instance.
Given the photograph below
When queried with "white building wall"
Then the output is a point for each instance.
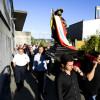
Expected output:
(90, 27)
(22, 38)
(6, 46)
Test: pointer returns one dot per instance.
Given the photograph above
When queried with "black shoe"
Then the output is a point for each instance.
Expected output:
(18, 89)
(39, 98)
(44, 92)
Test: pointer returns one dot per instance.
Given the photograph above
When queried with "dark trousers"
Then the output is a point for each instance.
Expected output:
(41, 77)
(19, 72)
(49, 67)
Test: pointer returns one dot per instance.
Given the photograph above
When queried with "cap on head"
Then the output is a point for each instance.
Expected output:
(60, 9)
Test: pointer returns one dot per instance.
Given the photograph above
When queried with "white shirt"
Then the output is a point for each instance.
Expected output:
(40, 63)
(34, 47)
(21, 60)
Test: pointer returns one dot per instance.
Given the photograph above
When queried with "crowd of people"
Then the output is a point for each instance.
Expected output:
(31, 58)
(70, 81)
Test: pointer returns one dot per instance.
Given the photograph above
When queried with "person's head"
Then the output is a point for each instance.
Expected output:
(15, 49)
(45, 48)
(20, 50)
(98, 57)
(33, 45)
(41, 49)
(37, 46)
(20, 46)
(67, 62)
(59, 11)
(48, 47)
(17, 46)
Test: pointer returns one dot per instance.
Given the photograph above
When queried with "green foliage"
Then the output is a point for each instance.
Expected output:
(33, 41)
(42, 43)
(54, 42)
(91, 44)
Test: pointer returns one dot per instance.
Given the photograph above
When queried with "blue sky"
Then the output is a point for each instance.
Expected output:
(38, 18)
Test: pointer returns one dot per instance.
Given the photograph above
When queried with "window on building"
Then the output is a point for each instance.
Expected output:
(98, 13)
(8, 4)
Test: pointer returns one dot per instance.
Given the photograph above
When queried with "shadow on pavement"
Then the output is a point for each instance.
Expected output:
(23, 94)
(50, 89)
(5, 93)
(32, 83)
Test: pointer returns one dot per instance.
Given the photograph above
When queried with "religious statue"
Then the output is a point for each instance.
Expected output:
(58, 12)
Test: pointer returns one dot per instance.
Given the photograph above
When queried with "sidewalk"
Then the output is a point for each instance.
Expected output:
(30, 89)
